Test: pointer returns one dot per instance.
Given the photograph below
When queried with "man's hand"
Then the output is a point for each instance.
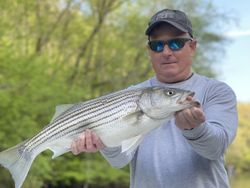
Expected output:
(88, 141)
(189, 118)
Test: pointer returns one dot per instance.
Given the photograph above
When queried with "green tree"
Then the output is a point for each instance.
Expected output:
(238, 154)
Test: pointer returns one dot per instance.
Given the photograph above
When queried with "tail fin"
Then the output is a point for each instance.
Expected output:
(17, 162)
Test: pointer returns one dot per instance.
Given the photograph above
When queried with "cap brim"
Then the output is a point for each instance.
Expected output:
(176, 25)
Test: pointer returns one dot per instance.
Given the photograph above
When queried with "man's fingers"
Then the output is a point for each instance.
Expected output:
(189, 98)
(93, 143)
(199, 115)
(189, 118)
(78, 145)
(75, 148)
(81, 142)
(88, 141)
(97, 142)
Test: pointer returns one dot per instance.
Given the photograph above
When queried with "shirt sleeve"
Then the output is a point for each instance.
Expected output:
(213, 137)
(116, 158)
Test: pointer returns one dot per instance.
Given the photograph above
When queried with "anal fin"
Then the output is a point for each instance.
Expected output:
(60, 147)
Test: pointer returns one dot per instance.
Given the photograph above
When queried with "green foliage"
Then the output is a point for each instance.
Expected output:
(238, 154)
(88, 169)
(241, 181)
(57, 52)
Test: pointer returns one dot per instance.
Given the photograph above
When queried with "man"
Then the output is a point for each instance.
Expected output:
(188, 151)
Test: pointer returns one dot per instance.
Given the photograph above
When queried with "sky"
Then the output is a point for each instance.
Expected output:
(235, 64)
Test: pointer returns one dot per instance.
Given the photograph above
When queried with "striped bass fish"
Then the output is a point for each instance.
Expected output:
(121, 119)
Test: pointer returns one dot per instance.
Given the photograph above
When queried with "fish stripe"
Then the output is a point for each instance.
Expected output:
(79, 113)
(98, 103)
(112, 112)
(62, 132)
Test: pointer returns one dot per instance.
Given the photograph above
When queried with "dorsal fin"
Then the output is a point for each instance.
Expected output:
(60, 109)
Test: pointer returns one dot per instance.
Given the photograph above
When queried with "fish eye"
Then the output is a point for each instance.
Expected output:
(170, 92)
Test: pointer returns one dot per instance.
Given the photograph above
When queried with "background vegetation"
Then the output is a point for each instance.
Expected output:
(66, 51)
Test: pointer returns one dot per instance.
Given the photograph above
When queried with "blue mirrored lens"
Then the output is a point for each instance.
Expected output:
(173, 44)
(157, 46)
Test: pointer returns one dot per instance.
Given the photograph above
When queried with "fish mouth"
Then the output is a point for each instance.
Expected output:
(191, 93)
(186, 99)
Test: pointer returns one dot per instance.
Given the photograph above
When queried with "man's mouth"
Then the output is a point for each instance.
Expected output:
(168, 63)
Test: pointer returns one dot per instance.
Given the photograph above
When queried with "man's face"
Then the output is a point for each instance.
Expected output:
(172, 66)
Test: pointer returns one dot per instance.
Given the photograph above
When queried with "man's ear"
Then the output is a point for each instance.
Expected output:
(192, 45)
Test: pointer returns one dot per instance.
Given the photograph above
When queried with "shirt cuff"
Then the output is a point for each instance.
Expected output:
(195, 133)
(111, 152)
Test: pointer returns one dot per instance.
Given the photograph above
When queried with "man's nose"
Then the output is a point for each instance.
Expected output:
(167, 50)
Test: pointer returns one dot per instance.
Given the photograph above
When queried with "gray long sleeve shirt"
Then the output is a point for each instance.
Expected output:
(172, 158)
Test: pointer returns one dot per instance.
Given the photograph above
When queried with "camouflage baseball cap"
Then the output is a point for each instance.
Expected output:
(176, 18)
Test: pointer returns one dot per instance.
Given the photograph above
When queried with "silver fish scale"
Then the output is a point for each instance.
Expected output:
(91, 114)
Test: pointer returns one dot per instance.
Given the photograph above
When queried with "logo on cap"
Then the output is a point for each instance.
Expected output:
(163, 15)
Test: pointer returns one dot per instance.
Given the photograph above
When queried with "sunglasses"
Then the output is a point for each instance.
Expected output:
(173, 44)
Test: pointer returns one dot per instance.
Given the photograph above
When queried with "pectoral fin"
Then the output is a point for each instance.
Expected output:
(133, 118)
(131, 144)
